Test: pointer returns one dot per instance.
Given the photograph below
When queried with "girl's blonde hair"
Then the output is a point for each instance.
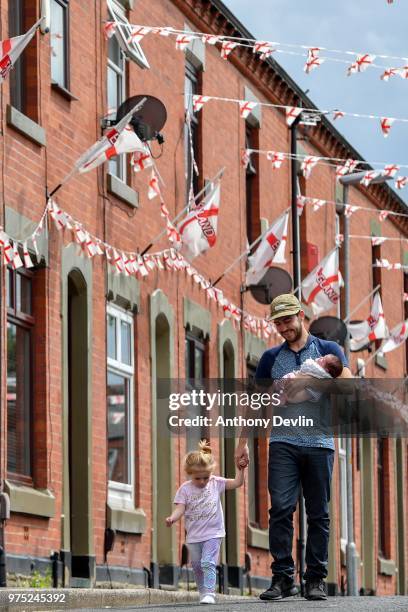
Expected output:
(200, 459)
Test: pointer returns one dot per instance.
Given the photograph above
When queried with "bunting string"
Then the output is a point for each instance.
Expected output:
(264, 49)
(128, 264)
(291, 112)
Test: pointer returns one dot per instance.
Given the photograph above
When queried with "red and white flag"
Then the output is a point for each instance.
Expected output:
(386, 123)
(12, 48)
(109, 29)
(308, 164)
(377, 240)
(245, 157)
(226, 47)
(110, 145)
(369, 177)
(292, 112)
(349, 166)
(321, 288)
(317, 204)
(183, 40)
(373, 328)
(210, 39)
(383, 214)
(313, 60)
(138, 33)
(388, 73)
(405, 297)
(154, 189)
(401, 181)
(300, 204)
(265, 49)
(276, 158)
(362, 62)
(270, 250)
(349, 209)
(246, 108)
(141, 160)
(391, 170)
(397, 336)
(198, 230)
(338, 114)
(198, 102)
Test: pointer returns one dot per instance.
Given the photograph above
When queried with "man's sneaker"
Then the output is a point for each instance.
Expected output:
(315, 590)
(281, 587)
(208, 599)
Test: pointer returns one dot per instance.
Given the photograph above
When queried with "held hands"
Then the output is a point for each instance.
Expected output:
(169, 521)
(242, 456)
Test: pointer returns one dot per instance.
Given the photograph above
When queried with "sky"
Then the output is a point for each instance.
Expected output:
(364, 26)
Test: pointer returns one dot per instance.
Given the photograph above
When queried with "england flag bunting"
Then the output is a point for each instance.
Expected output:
(12, 48)
(198, 230)
(373, 328)
(321, 288)
(397, 336)
(270, 250)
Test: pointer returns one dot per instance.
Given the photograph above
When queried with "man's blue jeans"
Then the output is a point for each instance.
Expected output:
(290, 466)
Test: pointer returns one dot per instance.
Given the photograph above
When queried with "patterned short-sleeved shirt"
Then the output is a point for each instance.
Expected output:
(279, 361)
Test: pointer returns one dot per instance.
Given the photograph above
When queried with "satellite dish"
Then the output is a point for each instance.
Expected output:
(329, 328)
(272, 284)
(149, 120)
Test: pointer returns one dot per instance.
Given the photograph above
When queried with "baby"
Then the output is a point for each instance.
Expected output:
(328, 366)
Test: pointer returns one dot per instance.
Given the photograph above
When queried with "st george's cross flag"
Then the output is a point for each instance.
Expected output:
(397, 336)
(321, 288)
(270, 250)
(109, 145)
(373, 328)
(12, 48)
(198, 230)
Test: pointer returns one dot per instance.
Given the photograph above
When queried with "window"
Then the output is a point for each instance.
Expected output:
(123, 33)
(196, 368)
(376, 279)
(59, 43)
(23, 77)
(253, 222)
(20, 324)
(119, 395)
(116, 95)
(192, 136)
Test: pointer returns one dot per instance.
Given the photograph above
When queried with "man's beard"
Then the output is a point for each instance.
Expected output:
(298, 332)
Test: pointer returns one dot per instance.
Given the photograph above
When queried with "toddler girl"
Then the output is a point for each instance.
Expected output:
(199, 500)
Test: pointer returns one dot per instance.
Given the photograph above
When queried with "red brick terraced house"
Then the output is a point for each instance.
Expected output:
(84, 450)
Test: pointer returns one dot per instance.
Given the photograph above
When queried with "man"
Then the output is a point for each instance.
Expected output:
(296, 457)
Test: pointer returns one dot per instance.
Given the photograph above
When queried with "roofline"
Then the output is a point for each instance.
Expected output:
(306, 101)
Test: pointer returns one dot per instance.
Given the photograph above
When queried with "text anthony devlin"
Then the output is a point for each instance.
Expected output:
(239, 421)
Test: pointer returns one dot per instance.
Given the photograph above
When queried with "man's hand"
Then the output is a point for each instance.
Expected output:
(242, 455)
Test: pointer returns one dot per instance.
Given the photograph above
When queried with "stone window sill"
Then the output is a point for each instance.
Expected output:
(122, 191)
(128, 521)
(386, 566)
(63, 91)
(258, 538)
(26, 126)
(26, 500)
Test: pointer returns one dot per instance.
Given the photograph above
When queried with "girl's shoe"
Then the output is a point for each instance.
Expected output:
(207, 599)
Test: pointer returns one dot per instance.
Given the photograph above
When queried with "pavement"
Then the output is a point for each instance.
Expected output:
(123, 600)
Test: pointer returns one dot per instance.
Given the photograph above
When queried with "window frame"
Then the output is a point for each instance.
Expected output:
(17, 76)
(120, 162)
(193, 76)
(65, 47)
(124, 493)
(343, 492)
(123, 32)
(252, 180)
(27, 322)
